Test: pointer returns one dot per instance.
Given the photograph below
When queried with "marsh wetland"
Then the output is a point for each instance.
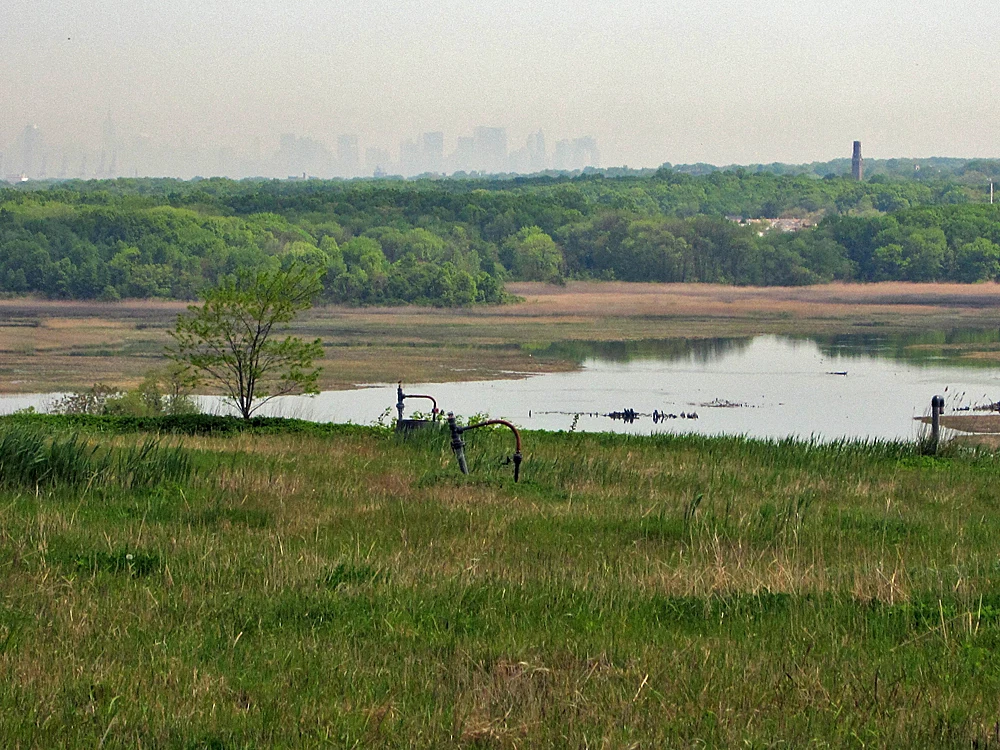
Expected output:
(868, 386)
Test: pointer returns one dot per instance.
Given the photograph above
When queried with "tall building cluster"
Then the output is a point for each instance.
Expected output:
(486, 151)
(31, 156)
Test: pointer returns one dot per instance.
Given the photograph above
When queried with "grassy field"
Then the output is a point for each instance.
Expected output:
(49, 346)
(342, 587)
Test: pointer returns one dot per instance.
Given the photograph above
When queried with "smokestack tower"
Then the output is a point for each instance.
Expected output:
(857, 163)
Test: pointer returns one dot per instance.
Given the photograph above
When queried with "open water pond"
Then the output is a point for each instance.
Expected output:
(860, 386)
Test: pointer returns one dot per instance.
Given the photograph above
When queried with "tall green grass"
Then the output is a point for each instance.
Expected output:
(353, 589)
(29, 458)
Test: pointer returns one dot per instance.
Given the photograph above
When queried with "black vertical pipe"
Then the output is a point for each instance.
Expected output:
(937, 407)
(457, 444)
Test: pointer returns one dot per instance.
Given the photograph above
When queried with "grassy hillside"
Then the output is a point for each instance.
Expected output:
(301, 586)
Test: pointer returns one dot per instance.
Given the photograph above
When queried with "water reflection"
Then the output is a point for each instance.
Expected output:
(700, 350)
(951, 346)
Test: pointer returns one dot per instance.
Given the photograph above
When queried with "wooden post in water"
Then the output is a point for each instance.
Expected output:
(937, 407)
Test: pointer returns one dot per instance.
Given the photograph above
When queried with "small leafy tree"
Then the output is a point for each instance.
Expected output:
(232, 339)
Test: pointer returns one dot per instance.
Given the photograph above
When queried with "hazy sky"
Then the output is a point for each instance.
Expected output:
(699, 80)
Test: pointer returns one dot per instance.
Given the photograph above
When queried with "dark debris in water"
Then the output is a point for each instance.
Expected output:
(628, 416)
(721, 403)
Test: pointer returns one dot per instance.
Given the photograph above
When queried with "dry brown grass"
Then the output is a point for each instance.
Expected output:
(640, 300)
(982, 424)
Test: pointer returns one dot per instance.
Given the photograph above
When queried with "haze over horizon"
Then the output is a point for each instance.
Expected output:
(720, 81)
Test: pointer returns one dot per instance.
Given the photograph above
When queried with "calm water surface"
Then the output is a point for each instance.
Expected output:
(765, 386)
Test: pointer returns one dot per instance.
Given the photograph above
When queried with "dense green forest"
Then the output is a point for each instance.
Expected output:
(455, 241)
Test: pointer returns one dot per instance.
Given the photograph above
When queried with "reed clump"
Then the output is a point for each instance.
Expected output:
(30, 458)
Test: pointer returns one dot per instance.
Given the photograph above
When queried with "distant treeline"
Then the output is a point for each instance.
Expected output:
(454, 242)
(976, 172)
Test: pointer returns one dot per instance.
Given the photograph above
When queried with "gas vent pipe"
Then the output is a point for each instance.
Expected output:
(401, 397)
(458, 445)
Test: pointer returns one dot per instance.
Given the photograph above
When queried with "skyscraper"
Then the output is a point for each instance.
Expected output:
(563, 157)
(538, 158)
(300, 156)
(109, 149)
(409, 158)
(348, 156)
(465, 150)
(857, 163)
(433, 152)
(585, 153)
(491, 150)
(377, 161)
(30, 143)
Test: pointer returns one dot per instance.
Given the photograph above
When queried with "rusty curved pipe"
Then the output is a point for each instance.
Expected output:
(434, 409)
(504, 422)
(458, 445)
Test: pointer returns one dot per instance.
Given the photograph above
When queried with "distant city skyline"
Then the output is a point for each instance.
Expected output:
(486, 150)
(195, 85)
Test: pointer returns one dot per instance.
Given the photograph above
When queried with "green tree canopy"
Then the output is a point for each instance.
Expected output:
(532, 255)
